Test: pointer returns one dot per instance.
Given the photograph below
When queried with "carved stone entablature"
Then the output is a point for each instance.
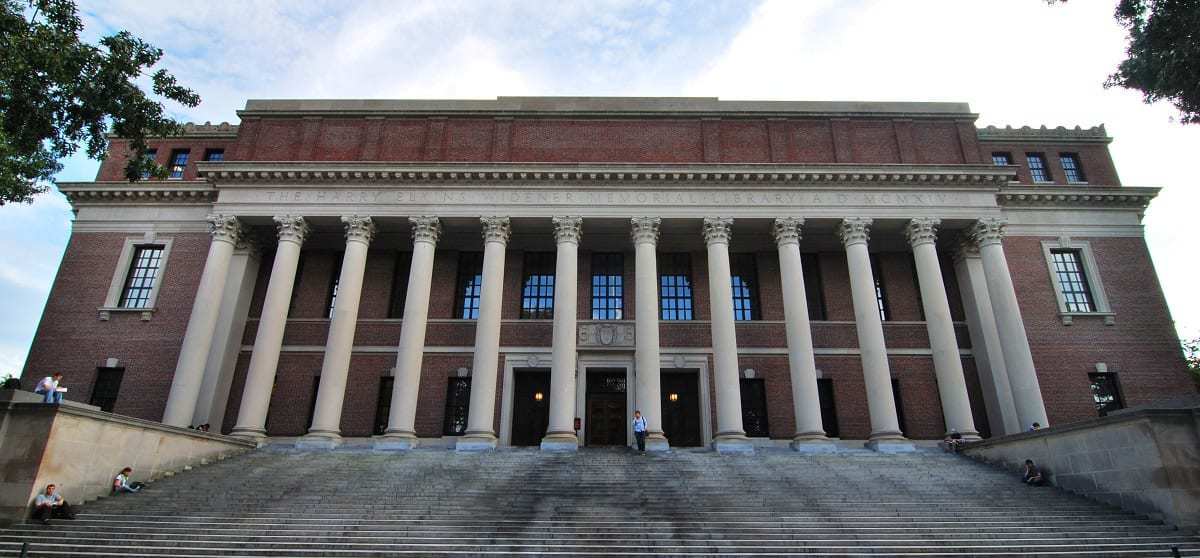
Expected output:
(291, 228)
(1059, 134)
(225, 228)
(717, 229)
(359, 228)
(787, 230)
(567, 229)
(605, 334)
(147, 192)
(496, 229)
(426, 229)
(1079, 196)
(922, 231)
(645, 229)
(856, 230)
(987, 231)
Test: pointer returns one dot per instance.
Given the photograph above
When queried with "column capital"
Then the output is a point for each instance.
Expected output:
(922, 230)
(717, 229)
(966, 249)
(567, 229)
(225, 228)
(987, 231)
(496, 229)
(291, 227)
(359, 228)
(787, 230)
(855, 230)
(645, 229)
(425, 229)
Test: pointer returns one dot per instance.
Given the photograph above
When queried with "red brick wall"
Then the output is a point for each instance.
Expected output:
(1095, 159)
(113, 167)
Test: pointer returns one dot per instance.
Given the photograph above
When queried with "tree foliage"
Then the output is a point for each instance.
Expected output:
(58, 93)
(1191, 354)
(1163, 57)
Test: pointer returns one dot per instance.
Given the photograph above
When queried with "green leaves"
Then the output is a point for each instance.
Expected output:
(1163, 57)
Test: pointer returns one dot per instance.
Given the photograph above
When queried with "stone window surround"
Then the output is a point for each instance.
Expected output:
(112, 299)
(1092, 274)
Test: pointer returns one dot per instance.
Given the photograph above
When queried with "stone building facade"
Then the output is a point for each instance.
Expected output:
(528, 271)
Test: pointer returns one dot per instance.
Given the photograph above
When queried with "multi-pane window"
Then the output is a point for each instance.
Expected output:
(1105, 392)
(1001, 159)
(675, 286)
(470, 285)
(179, 158)
(143, 272)
(812, 286)
(214, 155)
(150, 156)
(608, 286)
(1072, 281)
(537, 293)
(458, 403)
(1037, 167)
(743, 277)
(104, 391)
(383, 404)
(399, 284)
(333, 285)
(1071, 167)
(885, 313)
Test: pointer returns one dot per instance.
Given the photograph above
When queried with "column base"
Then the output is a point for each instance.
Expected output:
(560, 442)
(319, 439)
(396, 440)
(256, 435)
(968, 436)
(655, 441)
(813, 443)
(890, 442)
(479, 441)
(732, 443)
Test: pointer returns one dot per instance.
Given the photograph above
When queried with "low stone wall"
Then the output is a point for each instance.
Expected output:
(80, 449)
(1146, 461)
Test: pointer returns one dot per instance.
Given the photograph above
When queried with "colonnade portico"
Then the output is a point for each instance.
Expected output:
(854, 233)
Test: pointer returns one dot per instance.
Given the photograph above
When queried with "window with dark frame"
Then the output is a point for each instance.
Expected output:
(537, 292)
(1105, 392)
(331, 296)
(214, 155)
(399, 285)
(106, 388)
(1001, 159)
(470, 285)
(828, 407)
(139, 281)
(743, 279)
(383, 404)
(885, 312)
(813, 288)
(675, 286)
(179, 159)
(151, 155)
(608, 286)
(1072, 280)
(1071, 168)
(458, 406)
(1037, 167)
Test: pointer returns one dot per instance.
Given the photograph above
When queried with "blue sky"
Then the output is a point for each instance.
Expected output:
(1015, 61)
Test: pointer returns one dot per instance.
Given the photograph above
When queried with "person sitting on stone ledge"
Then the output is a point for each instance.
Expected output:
(953, 441)
(49, 389)
(51, 504)
(121, 482)
(1033, 475)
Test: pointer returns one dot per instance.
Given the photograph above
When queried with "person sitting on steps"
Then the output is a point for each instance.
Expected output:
(121, 482)
(1033, 475)
(51, 504)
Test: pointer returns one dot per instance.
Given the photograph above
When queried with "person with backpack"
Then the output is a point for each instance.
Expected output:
(639, 430)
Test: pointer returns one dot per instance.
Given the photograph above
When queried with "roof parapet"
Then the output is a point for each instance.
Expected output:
(1095, 134)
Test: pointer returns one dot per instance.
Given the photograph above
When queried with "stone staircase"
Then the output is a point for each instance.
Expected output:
(355, 502)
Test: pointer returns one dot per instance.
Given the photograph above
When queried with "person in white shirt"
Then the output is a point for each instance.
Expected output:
(121, 482)
(639, 430)
(48, 387)
(51, 504)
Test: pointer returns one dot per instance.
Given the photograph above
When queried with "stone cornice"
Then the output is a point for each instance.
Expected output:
(205, 130)
(1060, 134)
(157, 192)
(1123, 197)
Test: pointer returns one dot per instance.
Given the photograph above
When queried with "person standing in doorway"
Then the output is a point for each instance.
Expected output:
(49, 389)
(639, 430)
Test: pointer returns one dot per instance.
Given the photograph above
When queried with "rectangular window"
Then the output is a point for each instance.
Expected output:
(608, 286)
(899, 405)
(743, 277)
(537, 293)
(828, 407)
(179, 158)
(104, 391)
(150, 156)
(143, 272)
(675, 286)
(214, 155)
(754, 408)
(458, 403)
(1001, 159)
(1037, 167)
(383, 405)
(470, 284)
(1071, 167)
(813, 288)
(1105, 392)
(885, 313)
(331, 297)
(400, 284)
(1072, 281)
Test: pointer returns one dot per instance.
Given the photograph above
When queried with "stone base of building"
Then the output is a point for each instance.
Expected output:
(484, 441)
(732, 443)
(319, 440)
(655, 441)
(813, 444)
(560, 442)
(259, 437)
(891, 444)
(402, 441)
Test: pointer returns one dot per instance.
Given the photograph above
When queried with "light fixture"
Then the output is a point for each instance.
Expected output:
(673, 397)
(537, 396)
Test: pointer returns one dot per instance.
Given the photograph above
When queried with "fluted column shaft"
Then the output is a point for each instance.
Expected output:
(401, 431)
(1027, 394)
(260, 377)
(331, 391)
(985, 341)
(560, 433)
(481, 433)
(724, 336)
(202, 322)
(644, 234)
(947, 364)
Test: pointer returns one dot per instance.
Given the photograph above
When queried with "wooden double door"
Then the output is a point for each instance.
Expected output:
(607, 412)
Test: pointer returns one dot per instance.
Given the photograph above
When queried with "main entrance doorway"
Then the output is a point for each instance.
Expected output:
(531, 406)
(606, 412)
(681, 408)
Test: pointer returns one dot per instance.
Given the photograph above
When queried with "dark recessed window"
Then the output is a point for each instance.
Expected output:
(828, 407)
(743, 277)
(885, 313)
(537, 293)
(383, 405)
(179, 158)
(312, 406)
(150, 156)
(143, 272)
(754, 408)
(1105, 392)
(608, 286)
(1071, 167)
(214, 155)
(106, 388)
(1068, 268)
(1037, 167)
(336, 278)
(400, 284)
(675, 286)
(470, 284)
(1001, 159)
(899, 405)
(812, 286)
(458, 404)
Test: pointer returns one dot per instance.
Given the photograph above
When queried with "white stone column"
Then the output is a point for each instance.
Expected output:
(947, 364)
(644, 234)
(560, 434)
(260, 377)
(1027, 395)
(193, 352)
(806, 402)
(481, 433)
(325, 431)
(730, 436)
(985, 341)
(227, 338)
(402, 422)
(885, 426)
